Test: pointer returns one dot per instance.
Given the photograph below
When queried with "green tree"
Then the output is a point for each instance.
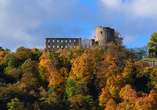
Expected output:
(10, 61)
(152, 45)
(70, 88)
(7, 51)
(53, 55)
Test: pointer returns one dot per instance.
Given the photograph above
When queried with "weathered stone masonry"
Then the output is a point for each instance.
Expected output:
(103, 36)
(54, 43)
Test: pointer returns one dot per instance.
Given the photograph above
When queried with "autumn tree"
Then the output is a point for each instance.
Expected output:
(128, 72)
(111, 105)
(96, 56)
(42, 69)
(36, 53)
(14, 73)
(124, 90)
(111, 65)
(48, 100)
(129, 101)
(141, 76)
(114, 84)
(82, 69)
(23, 54)
(2, 55)
(145, 103)
(101, 76)
(29, 82)
(13, 90)
(104, 98)
(29, 67)
(57, 79)
(153, 95)
(82, 102)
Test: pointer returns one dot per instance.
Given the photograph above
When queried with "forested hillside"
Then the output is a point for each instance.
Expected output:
(76, 79)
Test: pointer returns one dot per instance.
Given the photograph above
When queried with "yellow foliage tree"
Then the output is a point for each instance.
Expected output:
(128, 72)
(124, 90)
(114, 84)
(82, 69)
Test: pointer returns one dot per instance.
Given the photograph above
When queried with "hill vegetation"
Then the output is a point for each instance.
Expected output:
(76, 79)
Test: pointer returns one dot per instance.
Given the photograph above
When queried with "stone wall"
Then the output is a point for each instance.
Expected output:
(54, 43)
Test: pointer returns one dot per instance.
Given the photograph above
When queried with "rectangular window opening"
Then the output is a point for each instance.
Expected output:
(48, 40)
(69, 41)
(48, 46)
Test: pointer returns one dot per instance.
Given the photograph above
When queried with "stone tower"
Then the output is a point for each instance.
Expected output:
(103, 36)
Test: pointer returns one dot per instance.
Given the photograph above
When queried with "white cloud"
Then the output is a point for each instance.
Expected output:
(133, 8)
(128, 39)
(19, 16)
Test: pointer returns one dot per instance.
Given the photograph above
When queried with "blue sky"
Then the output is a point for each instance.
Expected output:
(28, 22)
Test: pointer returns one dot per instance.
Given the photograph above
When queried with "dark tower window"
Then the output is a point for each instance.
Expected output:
(101, 32)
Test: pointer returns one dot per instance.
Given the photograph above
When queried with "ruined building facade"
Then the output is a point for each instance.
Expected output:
(54, 43)
(103, 36)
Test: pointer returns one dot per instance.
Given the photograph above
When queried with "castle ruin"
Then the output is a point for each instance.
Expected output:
(103, 36)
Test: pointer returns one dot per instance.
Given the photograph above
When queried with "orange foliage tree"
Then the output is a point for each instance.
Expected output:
(104, 98)
(111, 105)
(2, 55)
(57, 79)
(145, 103)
